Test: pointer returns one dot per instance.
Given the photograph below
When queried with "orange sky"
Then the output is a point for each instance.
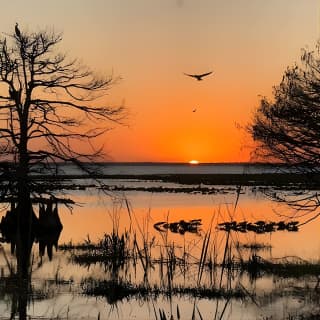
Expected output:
(151, 43)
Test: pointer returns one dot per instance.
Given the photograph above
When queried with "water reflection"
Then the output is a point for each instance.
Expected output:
(123, 261)
(45, 230)
(94, 217)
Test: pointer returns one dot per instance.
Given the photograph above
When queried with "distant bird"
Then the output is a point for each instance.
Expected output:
(194, 110)
(198, 76)
(17, 31)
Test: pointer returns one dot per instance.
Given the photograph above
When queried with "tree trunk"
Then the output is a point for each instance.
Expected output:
(24, 209)
(23, 242)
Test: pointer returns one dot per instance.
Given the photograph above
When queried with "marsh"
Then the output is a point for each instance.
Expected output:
(112, 263)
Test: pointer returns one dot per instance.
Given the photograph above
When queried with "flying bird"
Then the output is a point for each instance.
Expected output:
(17, 31)
(198, 76)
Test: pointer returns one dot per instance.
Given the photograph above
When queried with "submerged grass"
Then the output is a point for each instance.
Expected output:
(118, 290)
(296, 268)
(253, 246)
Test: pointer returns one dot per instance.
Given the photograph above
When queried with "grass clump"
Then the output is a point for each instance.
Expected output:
(111, 249)
(117, 290)
(294, 268)
(113, 290)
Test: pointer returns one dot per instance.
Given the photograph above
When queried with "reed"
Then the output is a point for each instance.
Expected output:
(203, 255)
(207, 258)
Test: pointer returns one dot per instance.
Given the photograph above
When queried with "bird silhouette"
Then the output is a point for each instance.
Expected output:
(198, 76)
(17, 31)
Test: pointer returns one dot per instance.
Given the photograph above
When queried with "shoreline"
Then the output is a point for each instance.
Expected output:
(264, 179)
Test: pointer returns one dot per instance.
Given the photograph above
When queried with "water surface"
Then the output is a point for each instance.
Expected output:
(59, 283)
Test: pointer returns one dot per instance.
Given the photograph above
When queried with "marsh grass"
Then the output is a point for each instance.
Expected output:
(214, 263)
(310, 316)
(292, 267)
(209, 268)
(253, 246)
(112, 251)
(123, 251)
(163, 314)
(174, 261)
(85, 246)
(118, 290)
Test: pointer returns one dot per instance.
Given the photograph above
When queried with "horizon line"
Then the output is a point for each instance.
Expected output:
(186, 163)
(173, 162)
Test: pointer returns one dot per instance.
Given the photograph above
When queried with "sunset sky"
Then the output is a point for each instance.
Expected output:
(151, 43)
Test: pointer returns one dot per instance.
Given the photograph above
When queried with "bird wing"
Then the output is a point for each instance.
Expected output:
(205, 74)
(191, 75)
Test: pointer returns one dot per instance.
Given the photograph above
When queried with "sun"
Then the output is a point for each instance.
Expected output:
(193, 162)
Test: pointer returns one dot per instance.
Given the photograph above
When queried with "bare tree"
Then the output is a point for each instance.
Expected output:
(47, 103)
(47, 98)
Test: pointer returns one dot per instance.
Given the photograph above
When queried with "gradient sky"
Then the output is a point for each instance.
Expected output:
(151, 43)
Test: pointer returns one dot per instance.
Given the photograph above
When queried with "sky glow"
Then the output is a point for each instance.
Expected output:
(150, 44)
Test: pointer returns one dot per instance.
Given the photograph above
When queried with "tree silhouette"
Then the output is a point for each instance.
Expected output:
(51, 107)
(288, 128)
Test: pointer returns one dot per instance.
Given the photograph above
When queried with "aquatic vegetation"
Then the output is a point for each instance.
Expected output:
(255, 246)
(112, 250)
(118, 290)
(181, 226)
(86, 245)
(292, 267)
(179, 265)
(200, 189)
(113, 290)
(259, 226)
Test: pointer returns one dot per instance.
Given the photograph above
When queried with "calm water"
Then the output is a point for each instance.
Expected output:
(178, 168)
(98, 213)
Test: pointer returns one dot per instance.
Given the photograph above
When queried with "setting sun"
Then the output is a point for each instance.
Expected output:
(193, 162)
